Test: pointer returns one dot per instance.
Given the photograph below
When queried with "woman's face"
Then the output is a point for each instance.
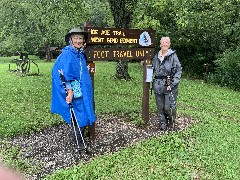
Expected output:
(165, 44)
(77, 40)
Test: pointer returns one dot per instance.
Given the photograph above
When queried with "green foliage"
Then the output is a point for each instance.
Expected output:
(201, 100)
(146, 15)
(26, 101)
(212, 145)
(205, 29)
(28, 25)
(228, 70)
(199, 30)
(156, 15)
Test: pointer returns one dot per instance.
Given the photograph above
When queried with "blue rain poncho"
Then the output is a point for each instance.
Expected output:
(69, 62)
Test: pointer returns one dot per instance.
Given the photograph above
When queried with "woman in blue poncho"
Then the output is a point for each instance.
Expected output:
(72, 63)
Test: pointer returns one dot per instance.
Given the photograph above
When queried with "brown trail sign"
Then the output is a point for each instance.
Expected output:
(143, 42)
(107, 36)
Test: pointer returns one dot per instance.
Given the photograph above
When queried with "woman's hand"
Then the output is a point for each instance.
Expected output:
(168, 88)
(69, 96)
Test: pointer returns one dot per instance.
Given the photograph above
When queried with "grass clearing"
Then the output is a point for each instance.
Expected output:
(207, 150)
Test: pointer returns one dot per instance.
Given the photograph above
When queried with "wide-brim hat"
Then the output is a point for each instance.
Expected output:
(76, 31)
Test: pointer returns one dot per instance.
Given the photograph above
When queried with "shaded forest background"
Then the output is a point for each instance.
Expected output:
(205, 33)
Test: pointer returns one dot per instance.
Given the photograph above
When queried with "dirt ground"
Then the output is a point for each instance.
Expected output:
(54, 148)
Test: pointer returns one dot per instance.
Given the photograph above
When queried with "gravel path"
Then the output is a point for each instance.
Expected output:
(54, 148)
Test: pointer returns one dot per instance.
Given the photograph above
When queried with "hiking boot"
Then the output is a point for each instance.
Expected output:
(163, 126)
(171, 122)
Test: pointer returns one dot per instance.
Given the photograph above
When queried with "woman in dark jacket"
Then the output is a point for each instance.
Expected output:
(167, 73)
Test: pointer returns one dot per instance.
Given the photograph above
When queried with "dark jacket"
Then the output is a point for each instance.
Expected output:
(170, 66)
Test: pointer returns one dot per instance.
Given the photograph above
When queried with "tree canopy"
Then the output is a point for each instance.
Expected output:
(200, 30)
(27, 25)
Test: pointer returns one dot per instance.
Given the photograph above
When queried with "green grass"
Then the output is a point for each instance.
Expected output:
(209, 149)
(25, 101)
(12, 156)
(28, 98)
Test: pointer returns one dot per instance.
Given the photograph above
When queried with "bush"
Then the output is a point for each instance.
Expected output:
(228, 70)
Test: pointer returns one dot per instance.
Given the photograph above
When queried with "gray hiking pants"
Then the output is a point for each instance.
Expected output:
(166, 104)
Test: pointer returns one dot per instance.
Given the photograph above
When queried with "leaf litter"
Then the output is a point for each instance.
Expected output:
(54, 148)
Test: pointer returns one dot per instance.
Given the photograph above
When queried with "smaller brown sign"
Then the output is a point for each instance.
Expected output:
(101, 54)
(91, 67)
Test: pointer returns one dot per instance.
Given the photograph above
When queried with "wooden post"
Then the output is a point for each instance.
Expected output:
(145, 96)
(92, 127)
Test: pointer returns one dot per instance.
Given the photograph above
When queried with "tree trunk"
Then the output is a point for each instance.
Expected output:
(48, 53)
(122, 12)
(122, 70)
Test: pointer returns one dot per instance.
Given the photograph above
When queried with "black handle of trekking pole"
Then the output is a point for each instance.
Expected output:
(63, 80)
(168, 81)
(64, 84)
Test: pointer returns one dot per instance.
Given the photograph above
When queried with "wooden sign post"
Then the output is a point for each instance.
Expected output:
(91, 69)
(145, 96)
(142, 47)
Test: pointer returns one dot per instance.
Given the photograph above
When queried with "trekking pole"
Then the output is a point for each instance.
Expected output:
(168, 81)
(73, 116)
